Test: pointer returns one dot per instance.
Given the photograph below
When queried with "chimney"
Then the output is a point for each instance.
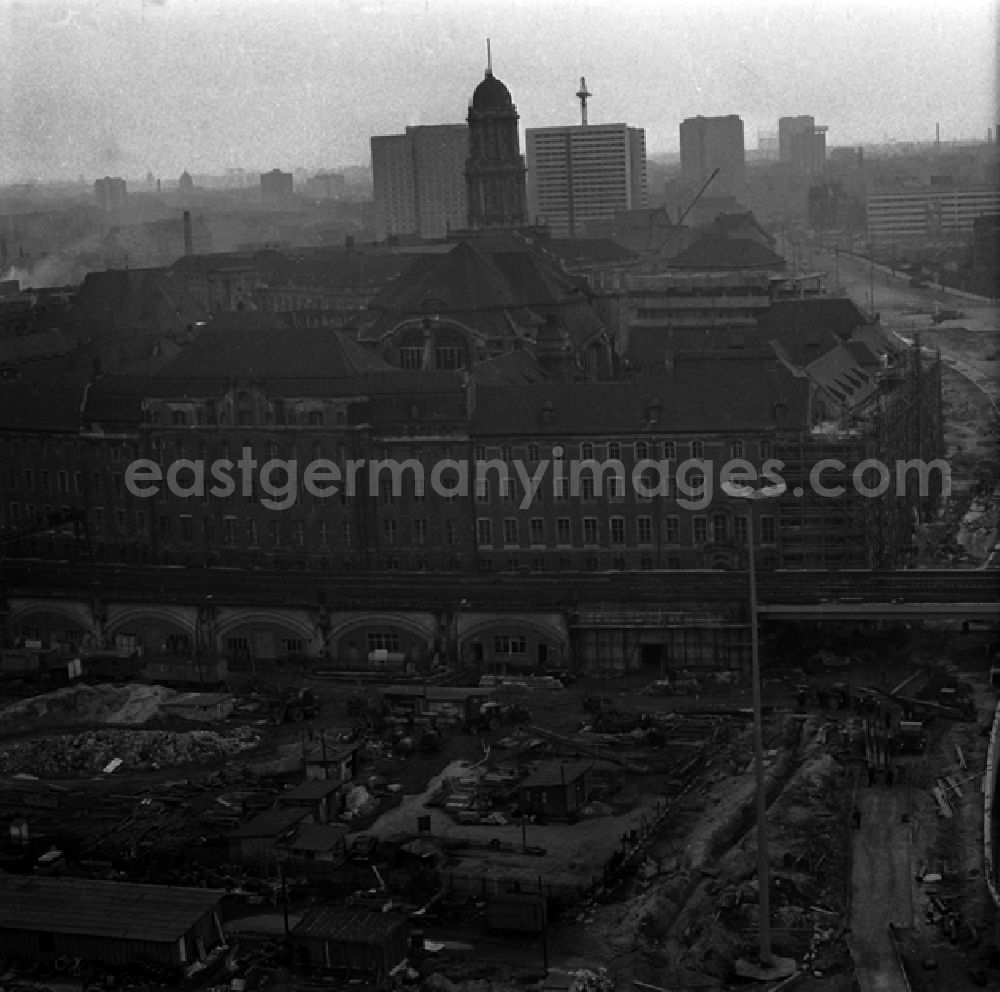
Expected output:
(188, 238)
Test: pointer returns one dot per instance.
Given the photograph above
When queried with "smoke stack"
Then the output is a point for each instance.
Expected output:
(188, 239)
(937, 137)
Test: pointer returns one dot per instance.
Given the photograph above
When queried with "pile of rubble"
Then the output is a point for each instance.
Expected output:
(132, 750)
(90, 704)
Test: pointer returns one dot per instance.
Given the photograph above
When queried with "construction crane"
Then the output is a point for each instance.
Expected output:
(690, 206)
(687, 210)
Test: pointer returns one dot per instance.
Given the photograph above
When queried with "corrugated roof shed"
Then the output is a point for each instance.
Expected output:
(123, 910)
(317, 837)
(556, 774)
(313, 788)
(357, 926)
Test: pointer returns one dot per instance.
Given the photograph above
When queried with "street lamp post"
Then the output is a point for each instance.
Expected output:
(768, 963)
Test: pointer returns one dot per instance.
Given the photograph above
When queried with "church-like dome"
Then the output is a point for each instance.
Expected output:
(491, 94)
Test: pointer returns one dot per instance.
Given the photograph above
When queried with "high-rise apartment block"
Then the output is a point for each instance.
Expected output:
(710, 143)
(110, 192)
(802, 145)
(580, 174)
(419, 180)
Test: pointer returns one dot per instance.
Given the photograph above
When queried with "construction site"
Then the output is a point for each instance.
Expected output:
(507, 833)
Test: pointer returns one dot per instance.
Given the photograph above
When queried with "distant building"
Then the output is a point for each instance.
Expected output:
(579, 174)
(419, 181)
(275, 185)
(802, 145)
(185, 184)
(494, 170)
(931, 213)
(710, 143)
(327, 185)
(110, 192)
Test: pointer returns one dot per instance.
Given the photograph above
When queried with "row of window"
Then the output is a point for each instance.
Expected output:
(614, 449)
(720, 528)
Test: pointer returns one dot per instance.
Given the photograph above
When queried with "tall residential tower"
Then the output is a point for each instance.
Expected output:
(710, 143)
(583, 173)
(419, 182)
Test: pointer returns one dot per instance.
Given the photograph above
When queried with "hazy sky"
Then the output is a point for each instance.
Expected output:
(94, 87)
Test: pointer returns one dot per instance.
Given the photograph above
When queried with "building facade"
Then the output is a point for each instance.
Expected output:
(802, 145)
(710, 143)
(275, 185)
(110, 192)
(419, 181)
(582, 174)
(930, 214)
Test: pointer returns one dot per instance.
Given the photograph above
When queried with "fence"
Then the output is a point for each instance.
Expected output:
(989, 799)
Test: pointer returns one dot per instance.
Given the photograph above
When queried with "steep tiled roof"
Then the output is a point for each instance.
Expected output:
(828, 316)
(587, 251)
(487, 284)
(717, 251)
(42, 401)
(269, 350)
(704, 392)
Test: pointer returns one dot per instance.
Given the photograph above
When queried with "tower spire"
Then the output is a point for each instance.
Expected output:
(582, 95)
(489, 59)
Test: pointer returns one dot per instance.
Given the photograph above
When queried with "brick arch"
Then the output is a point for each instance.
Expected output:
(233, 619)
(180, 617)
(425, 630)
(77, 613)
(550, 631)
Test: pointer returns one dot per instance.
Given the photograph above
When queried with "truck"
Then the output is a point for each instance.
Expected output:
(480, 713)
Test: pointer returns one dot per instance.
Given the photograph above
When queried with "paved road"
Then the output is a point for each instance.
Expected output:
(881, 887)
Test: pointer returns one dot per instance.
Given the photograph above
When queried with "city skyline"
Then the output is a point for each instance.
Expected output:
(127, 86)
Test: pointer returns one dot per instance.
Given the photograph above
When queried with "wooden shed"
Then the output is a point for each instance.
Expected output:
(328, 762)
(353, 943)
(315, 842)
(323, 799)
(109, 922)
(254, 842)
(556, 790)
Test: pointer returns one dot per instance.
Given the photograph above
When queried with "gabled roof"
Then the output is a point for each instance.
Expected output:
(122, 910)
(555, 774)
(829, 317)
(489, 284)
(316, 837)
(717, 251)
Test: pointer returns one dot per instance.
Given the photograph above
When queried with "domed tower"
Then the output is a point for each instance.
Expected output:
(494, 170)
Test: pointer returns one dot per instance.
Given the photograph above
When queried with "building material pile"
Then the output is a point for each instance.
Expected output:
(133, 750)
(90, 704)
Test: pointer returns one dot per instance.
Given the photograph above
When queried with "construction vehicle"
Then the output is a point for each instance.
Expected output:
(481, 713)
(911, 737)
(294, 707)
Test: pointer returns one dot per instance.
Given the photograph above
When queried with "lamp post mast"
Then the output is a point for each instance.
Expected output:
(763, 866)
